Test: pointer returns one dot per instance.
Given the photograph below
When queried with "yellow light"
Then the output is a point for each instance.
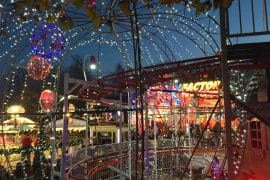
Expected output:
(14, 109)
(201, 86)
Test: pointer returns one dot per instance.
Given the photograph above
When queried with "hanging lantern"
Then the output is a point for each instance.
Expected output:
(38, 68)
(48, 41)
(47, 100)
(93, 63)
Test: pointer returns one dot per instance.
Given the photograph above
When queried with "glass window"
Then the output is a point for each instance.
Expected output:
(254, 143)
(259, 144)
(255, 134)
(253, 125)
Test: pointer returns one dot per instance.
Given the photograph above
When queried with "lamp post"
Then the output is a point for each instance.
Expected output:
(92, 67)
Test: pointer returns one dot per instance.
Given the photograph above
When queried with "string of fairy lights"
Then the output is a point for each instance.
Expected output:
(174, 10)
(162, 58)
(158, 25)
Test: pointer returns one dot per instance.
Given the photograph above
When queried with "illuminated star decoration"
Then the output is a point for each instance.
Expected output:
(48, 41)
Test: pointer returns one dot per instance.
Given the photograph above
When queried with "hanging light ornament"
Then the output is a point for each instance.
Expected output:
(47, 100)
(90, 4)
(48, 41)
(38, 68)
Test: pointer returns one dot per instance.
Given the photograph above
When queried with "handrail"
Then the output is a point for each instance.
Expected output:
(112, 160)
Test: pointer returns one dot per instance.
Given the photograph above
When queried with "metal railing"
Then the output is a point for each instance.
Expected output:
(105, 161)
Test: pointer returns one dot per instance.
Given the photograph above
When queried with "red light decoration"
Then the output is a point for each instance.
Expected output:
(47, 100)
(90, 4)
(38, 68)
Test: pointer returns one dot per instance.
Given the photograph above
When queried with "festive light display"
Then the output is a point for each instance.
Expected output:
(38, 68)
(48, 41)
(215, 169)
(47, 100)
(90, 4)
(33, 149)
(191, 29)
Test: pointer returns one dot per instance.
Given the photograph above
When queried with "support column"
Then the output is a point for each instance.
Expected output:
(129, 139)
(121, 134)
(86, 130)
(53, 143)
(226, 92)
(155, 145)
(65, 128)
(148, 174)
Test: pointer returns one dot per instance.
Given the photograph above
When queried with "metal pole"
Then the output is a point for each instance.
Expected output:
(129, 139)
(189, 142)
(53, 137)
(155, 146)
(86, 130)
(147, 137)
(176, 142)
(65, 128)
(121, 138)
(87, 116)
(200, 138)
(53, 148)
(226, 91)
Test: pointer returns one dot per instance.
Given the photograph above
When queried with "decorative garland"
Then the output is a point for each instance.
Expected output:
(33, 149)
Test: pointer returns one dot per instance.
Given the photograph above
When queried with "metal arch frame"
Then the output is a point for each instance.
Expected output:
(182, 23)
(253, 31)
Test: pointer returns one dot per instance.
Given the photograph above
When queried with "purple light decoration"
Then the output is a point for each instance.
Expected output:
(216, 169)
(47, 41)
(133, 97)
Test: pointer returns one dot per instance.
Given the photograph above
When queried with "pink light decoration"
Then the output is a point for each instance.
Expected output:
(90, 4)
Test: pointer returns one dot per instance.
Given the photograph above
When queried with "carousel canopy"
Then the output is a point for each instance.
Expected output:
(19, 120)
(15, 124)
(73, 124)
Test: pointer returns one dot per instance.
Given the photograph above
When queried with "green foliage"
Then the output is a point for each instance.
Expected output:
(36, 149)
(199, 5)
(65, 22)
(78, 3)
(169, 2)
(125, 7)
(43, 5)
(94, 17)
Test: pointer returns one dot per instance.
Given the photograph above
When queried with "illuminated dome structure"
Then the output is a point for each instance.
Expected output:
(172, 121)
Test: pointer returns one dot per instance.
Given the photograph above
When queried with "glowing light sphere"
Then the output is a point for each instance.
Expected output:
(93, 63)
(38, 68)
(48, 41)
(47, 100)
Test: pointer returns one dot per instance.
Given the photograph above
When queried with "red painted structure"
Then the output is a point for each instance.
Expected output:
(187, 70)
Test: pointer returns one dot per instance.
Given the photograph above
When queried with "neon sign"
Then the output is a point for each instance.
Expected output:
(201, 86)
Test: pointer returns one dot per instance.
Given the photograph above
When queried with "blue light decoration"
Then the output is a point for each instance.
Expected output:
(132, 98)
(48, 41)
(173, 93)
